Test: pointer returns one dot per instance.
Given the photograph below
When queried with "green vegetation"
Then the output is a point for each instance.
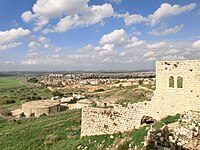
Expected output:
(9, 82)
(166, 121)
(62, 131)
(32, 80)
(12, 98)
(138, 136)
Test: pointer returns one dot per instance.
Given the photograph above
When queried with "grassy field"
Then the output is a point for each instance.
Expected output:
(13, 98)
(62, 132)
(59, 132)
(9, 82)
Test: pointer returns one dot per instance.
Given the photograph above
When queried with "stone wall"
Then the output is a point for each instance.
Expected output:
(176, 100)
(97, 121)
(166, 101)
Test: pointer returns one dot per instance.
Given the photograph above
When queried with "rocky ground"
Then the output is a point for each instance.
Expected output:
(183, 135)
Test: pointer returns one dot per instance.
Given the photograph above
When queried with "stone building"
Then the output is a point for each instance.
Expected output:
(41, 107)
(177, 90)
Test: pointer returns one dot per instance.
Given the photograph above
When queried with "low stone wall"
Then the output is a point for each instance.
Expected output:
(97, 121)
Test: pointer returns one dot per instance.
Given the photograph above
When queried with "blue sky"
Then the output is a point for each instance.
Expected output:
(96, 34)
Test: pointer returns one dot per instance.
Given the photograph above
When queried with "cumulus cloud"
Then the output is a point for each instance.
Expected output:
(196, 44)
(156, 45)
(43, 40)
(149, 54)
(134, 42)
(33, 45)
(166, 31)
(172, 51)
(117, 37)
(8, 38)
(172, 57)
(9, 45)
(167, 10)
(12, 35)
(87, 48)
(76, 13)
(131, 19)
(30, 62)
(120, 38)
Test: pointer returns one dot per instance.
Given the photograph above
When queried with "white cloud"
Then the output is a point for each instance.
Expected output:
(7, 62)
(134, 42)
(55, 9)
(120, 38)
(27, 16)
(9, 45)
(174, 57)
(166, 31)
(93, 15)
(43, 40)
(117, 37)
(29, 62)
(166, 10)
(33, 45)
(86, 48)
(156, 45)
(149, 54)
(47, 46)
(172, 51)
(73, 13)
(107, 49)
(12, 35)
(8, 39)
(196, 44)
(131, 19)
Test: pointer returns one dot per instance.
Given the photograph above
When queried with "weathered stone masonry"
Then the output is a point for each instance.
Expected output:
(177, 90)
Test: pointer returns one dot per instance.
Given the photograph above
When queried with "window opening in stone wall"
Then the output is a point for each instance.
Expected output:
(179, 82)
(171, 81)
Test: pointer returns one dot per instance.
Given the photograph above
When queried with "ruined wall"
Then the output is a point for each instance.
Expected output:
(97, 121)
(166, 101)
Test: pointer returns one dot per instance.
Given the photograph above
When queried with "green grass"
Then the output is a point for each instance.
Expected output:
(138, 136)
(9, 82)
(23, 94)
(62, 132)
(59, 132)
(166, 121)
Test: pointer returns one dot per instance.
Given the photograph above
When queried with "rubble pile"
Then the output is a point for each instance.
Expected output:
(184, 136)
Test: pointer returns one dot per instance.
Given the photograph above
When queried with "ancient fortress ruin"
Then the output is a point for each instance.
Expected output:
(177, 90)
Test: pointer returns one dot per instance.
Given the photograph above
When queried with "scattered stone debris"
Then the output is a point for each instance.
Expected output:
(185, 136)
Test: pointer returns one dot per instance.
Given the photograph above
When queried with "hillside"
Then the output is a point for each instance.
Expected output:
(62, 131)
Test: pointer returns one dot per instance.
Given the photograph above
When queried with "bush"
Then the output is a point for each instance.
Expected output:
(32, 80)
(5, 111)
(7, 101)
(51, 139)
(140, 82)
(56, 93)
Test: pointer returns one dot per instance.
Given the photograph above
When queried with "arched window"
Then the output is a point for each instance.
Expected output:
(179, 82)
(171, 81)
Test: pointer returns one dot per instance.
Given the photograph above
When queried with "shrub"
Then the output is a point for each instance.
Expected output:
(32, 80)
(51, 139)
(140, 82)
(5, 111)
